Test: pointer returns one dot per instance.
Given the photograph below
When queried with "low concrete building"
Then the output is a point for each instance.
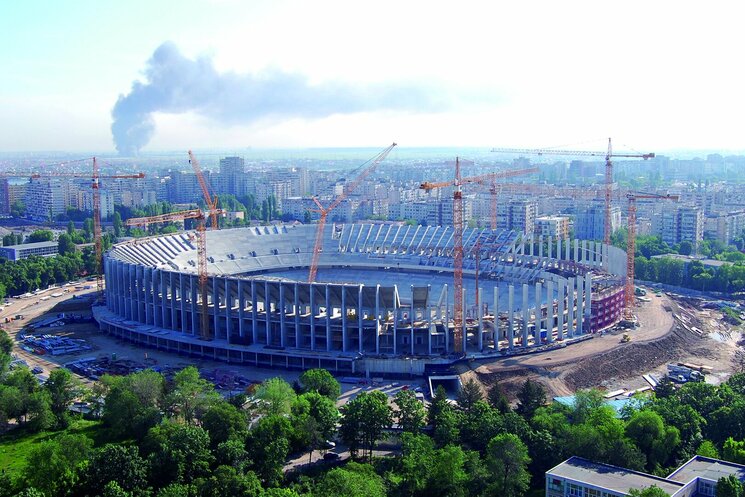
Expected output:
(579, 477)
(18, 252)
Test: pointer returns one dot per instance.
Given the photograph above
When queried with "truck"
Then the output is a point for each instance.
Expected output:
(683, 374)
(639, 292)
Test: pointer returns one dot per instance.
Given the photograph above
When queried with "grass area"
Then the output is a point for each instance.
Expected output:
(16, 445)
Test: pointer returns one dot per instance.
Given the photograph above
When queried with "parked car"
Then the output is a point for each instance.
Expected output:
(37, 370)
(331, 456)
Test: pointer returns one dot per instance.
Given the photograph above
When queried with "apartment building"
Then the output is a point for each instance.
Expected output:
(553, 226)
(589, 222)
(675, 224)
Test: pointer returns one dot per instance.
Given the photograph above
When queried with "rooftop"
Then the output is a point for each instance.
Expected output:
(32, 245)
(709, 469)
(610, 477)
(689, 259)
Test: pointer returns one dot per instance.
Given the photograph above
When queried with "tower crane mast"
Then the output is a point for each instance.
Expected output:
(458, 182)
(324, 212)
(609, 155)
(201, 236)
(209, 200)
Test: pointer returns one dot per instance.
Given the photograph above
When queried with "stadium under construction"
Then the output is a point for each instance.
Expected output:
(382, 302)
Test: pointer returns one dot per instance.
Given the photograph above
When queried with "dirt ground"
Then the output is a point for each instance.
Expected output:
(672, 330)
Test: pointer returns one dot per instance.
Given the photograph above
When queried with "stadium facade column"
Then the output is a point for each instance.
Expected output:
(360, 321)
(570, 307)
(538, 312)
(580, 305)
(296, 305)
(558, 247)
(174, 297)
(550, 311)
(377, 319)
(588, 300)
(281, 310)
(215, 306)
(396, 317)
(228, 308)
(328, 318)
(241, 308)
(480, 316)
(267, 314)
(163, 300)
(540, 246)
(510, 317)
(464, 335)
(496, 318)
(568, 249)
(195, 331)
(550, 245)
(526, 315)
(254, 314)
(446, 321)
(137, 294)
(344, 317)
(576, 250)
(146, 289)
(560, 320)
(312, 292)
(182, 285)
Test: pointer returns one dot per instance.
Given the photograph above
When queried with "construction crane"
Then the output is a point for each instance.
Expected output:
(209, 200)
(457, 183)
(628, 308)
(198, 215)
(609, 154)
(324, 212)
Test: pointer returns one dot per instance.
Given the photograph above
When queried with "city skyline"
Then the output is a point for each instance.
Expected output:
(657, 77)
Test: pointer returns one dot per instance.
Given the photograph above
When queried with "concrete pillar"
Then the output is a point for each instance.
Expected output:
(344, 319)
(526, 315)
(396, 317)
(510, 317)
(550, 246)
(194, 288)
(570, 307)
(241, 309)
(567, 246)
(560, 321)
(228, 309)
(580, 305)
(549, 311)
(558, 247)
(163, 299)
(377, 319)
(540, 246)
(148, 310)
(446, 320)
(281, 309)
(174, 300)
(215, 306)
(480, 316)
(254, 314)
(360, 321)
(538, 313)
(268, 312)
(328, 318)
(576, 250)
(184, 320)
(588, 301)
(313, 311)
(296, 304)
(496, 318)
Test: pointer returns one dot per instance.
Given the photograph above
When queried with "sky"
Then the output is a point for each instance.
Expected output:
(655, 76)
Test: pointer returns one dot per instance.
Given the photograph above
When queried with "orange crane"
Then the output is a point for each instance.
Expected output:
(458, 182)
(628, 308)
(584, 153)
(324, 212)
(209, 200)
(199, 215)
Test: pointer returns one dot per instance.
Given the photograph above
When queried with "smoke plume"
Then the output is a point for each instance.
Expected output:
(176, 84)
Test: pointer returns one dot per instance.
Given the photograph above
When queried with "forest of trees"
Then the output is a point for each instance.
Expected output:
(176, 436)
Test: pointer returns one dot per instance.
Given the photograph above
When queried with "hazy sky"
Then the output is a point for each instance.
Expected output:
(655, 75)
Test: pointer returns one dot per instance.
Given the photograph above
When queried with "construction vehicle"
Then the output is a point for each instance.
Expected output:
(458, 293)
(201, 238)
(609, 154)
(324, 212)
(626, 338)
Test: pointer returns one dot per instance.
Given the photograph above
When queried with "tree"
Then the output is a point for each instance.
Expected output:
(364, 419)
(469, 393)
(224, 422)
(729, 487)
(497, 399)
(178, 453)
(117, 463)
(479, 425)
(657, 441)
(18, 208)
(733, 451)
(685, 248)
(531, 396)
(53, 466)
(708, 449)
(507, 458)
(65, 244)
(276, 396)
(63, 388)
(40, 236)
(118, 225)
(444, 419)
(226, 481)
(321, 381)
(410, 412)
(653, 491)
(353, 480)
(268, 443)
(191, 395)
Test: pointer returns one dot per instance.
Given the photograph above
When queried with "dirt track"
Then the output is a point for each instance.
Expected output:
(605, 362)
